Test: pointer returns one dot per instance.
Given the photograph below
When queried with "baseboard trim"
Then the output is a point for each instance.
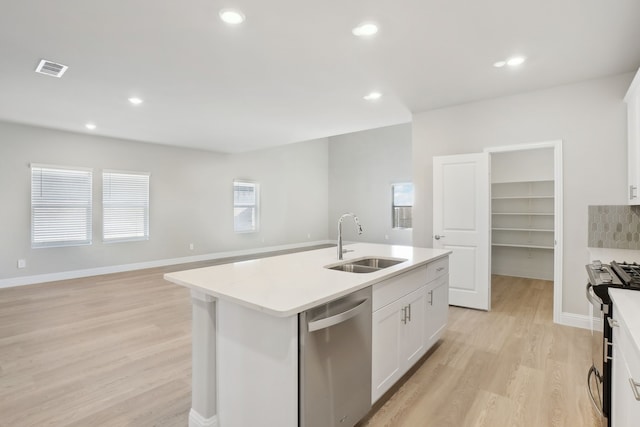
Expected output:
(574, 320)
(197, 420)
(75, 274)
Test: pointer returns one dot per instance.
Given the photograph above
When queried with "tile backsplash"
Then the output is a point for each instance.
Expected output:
(615, 227)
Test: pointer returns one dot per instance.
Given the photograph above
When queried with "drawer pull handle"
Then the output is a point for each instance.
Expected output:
(404, 315)
(439, 268)
(634, 388)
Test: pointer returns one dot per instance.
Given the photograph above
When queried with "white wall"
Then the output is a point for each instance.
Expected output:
(525, 165)
(190, 195)
(589, 117)
(362, 167)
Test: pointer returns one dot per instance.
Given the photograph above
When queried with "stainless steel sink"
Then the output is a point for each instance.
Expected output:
(365, 265)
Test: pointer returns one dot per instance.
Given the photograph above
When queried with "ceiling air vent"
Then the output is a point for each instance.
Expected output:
(51, 68)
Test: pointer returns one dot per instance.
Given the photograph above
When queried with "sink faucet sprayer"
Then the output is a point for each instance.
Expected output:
(358, 229)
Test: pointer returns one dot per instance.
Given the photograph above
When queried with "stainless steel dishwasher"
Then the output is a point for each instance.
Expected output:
(335, 361)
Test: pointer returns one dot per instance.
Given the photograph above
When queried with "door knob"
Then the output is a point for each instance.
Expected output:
(438, 237)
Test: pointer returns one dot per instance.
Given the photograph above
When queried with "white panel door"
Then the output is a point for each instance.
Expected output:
(461, 224)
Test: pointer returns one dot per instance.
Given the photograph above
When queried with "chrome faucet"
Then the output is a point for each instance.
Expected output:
(358, 229)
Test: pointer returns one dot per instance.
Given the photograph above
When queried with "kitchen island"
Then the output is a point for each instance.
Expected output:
(245, 325)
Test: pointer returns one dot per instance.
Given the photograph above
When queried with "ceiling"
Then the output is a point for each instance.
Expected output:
(292, 71)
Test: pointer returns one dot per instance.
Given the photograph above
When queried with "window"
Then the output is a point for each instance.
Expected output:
(125, 204)
(402, 205)
(245, 207)
(60, 206)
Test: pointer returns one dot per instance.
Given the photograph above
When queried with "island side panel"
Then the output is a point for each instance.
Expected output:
(257, 368)
(203, 377)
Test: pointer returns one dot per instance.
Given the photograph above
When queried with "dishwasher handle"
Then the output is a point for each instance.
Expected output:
(327, 322)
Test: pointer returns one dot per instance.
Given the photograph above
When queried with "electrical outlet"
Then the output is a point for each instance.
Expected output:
(386, 237)
(22, 263)
(308, 235)
(191, 247)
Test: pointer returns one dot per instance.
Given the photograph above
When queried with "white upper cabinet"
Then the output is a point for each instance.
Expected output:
(632, 99)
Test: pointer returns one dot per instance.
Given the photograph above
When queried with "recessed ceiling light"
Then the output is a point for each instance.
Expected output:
(372, 96)
(365, 29)
(135, 101)
(515, 61)
(90, 126)
(232, 16)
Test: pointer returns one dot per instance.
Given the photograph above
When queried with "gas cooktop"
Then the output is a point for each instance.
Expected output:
(616, 275)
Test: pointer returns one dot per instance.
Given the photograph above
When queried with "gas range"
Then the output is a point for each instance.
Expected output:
(621, 275)
(602, 277)
(614, 275)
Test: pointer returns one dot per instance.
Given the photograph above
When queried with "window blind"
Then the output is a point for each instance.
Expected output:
(245, 207)
(60, 206)
(125, 204)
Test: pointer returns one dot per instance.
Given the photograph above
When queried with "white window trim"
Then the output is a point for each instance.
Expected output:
(89, 227)
(257, 205)
(147, 219)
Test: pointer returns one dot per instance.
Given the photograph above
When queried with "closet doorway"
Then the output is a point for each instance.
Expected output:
(526, 213)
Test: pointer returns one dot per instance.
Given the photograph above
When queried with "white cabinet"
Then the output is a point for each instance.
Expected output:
(410, 314)
(632, 99)
(437, 309)
(398, 340)
(625, 385)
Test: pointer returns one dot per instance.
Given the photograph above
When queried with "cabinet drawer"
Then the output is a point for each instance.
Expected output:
(392, 289)
(437, 268)
(626, 346)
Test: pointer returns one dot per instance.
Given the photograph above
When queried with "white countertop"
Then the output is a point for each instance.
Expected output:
(628, 305)
(286, 285)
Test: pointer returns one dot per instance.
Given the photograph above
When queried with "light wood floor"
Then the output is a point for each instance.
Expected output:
(115, 350)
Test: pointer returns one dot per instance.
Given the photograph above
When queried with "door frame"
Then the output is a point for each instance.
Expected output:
(557, 208)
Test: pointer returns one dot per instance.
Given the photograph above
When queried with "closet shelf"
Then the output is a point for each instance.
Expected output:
(520, 197)
(524, 213)
(538, 230)
(509, 245)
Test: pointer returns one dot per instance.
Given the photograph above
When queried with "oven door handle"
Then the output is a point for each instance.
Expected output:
(592, 297)
(592, 371)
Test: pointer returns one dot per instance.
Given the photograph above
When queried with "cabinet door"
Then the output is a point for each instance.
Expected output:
(413, 331)
(633, 155)
(619, 389)
(437, 310)
(386, 361)
(625, 409)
